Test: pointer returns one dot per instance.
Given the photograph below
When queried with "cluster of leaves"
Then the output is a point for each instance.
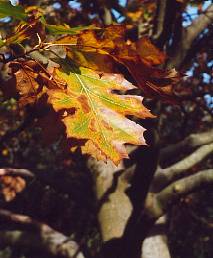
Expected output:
(81, 85)
(10, 186)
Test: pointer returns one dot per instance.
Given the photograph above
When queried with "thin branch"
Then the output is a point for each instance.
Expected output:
(198, 44)
(159, 19)
(34, 235)
(166, 19)
(193, 140)
(201, 220)
(16, 172)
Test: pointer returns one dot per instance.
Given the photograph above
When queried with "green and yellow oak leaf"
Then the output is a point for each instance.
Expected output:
(93, 112)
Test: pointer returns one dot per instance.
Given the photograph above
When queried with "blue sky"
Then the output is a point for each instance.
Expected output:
(193, 12)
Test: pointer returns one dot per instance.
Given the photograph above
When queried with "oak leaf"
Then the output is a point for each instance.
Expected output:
(149, 53)
(93, 112)
(139, 58)
(25, 75)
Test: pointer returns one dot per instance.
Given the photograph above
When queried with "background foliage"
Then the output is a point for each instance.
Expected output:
(62, 191)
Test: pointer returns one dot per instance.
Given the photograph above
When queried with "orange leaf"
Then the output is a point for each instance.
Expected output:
(149, 53)
(25, 81)
(10, 186)
(138, 57)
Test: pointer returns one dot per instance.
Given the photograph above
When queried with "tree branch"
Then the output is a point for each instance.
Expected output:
(164, 176)
(110, 185)
(199, 24)
(16, 172)
(34, 235)
(184, 186)
(189, 34)
(193, 140)
(159, 19)
(157, 204)
(156, 243)
(167, 16)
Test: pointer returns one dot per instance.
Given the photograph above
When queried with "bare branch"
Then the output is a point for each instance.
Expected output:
(201, 220)
(197, 156)
(156, 204)
(16, 172)
(193, 140)
(167, 175)
(183, 187)
(199, 24)
(160, 16)
(189, 34)
(34, 235)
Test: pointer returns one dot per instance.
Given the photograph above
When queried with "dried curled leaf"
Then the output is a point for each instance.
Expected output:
(10, 186)
(139, 58)
(25, 75)
(149, 53)
(91, 111)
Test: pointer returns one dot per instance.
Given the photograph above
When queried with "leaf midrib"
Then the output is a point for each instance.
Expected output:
(86, 90)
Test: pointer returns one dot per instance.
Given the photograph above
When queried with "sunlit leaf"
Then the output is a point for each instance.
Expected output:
(91, 111)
